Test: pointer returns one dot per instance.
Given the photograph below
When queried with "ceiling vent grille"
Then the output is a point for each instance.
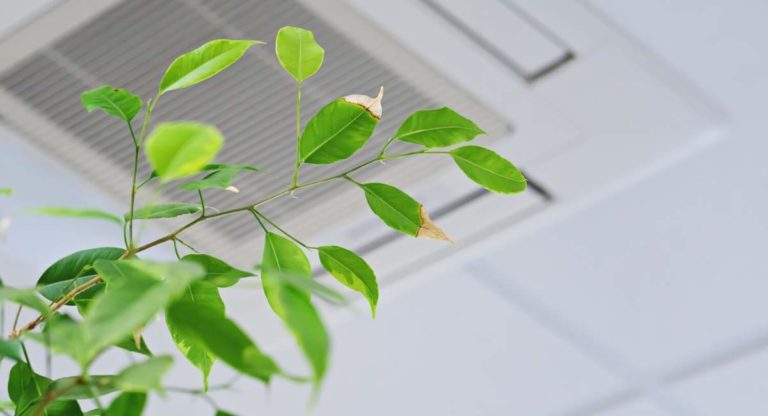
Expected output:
(131, 44)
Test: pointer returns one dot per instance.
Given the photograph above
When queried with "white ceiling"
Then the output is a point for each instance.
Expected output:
(15, 13)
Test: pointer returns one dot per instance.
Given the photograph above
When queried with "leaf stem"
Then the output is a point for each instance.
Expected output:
(186, 244)
(258, 214)
(87, 379)
(202, 203)
(176, 249)
(258, 218)
(16, 319)
(297, 164)
(144, 182)
(386, 145)
(29, 364)
(136, 149)
(348, 178)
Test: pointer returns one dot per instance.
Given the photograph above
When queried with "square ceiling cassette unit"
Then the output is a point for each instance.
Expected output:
(562, 92)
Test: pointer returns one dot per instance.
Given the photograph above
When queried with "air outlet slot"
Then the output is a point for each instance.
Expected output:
(252, 103)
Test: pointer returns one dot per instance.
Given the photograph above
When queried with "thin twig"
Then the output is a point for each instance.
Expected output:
(136, 149)
(176, 249)
(16, 319)
(287, 234)
(186, 245)
(202, 203)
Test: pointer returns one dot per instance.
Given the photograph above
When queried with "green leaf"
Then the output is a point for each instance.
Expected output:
(213, 167)
(26, 297)
(340, 129)
(352, 271)
(311, 286)
(217, 271)
(75, 265)
(176, 276)
(301, 317)
(77, 213)
(223, 413)
(6, 191)
(298, 52)
(219, 179)
(183, 148)
(396, 208)
(202, 63)
(489, 170)
(129, 344)
(26, 389)
(61, 334)
(117, 102)
(223, 338)
(136, 291)
(64, 334)
(127, 404)
(145, 376)
(204, 296)
(10, 348)
(222, 166)
(163, 211)
(84, 301)
(75, 388)
(441, 127)
(401, 212)
(67, 270)
(282, 257)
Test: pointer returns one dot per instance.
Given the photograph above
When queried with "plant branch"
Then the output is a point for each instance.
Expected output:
(131, 251)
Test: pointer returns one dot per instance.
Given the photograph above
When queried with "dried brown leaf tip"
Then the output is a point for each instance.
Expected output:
(371, 105)
(428, 229)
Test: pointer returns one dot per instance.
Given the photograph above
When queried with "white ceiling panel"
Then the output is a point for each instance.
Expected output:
(738, 388)
(639, 408)
(449, 347)
(653, 288)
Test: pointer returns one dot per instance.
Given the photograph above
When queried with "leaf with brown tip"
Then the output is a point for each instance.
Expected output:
(428, 229)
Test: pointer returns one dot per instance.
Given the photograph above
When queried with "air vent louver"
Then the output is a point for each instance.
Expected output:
(252, 103)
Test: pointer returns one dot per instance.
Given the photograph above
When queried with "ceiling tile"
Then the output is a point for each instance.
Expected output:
(642, 278)
(737, 388)
(450, 347)
(638, 408)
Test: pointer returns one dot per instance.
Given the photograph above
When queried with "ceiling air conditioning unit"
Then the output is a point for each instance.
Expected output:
(562, 92)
